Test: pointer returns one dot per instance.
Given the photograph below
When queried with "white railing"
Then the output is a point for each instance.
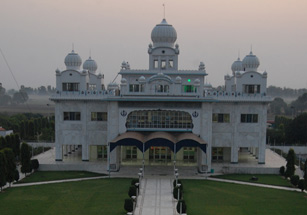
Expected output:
(239, 96)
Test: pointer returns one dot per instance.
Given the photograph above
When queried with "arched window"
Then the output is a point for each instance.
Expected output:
(159, 120)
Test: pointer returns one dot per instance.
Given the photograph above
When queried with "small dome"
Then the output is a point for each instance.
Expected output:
(163, 34)
(196, 82)
(207, 86)
(123, 81)
(57, 70)
(178, 79)
(250, 62)
(237, 66)
(124, 65)
(112, 86)
(73, 61)
(90, 65)
(142, 79)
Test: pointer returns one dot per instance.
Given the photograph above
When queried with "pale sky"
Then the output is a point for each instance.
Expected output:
(36, 35)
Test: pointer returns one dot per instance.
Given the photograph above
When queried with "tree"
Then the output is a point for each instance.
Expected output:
(132, 191)
(305, 174)
(25, 157)
(10, 164)
(294, 179)
(128, 205)
(296, 130)
(290, 167)
(16, 146)
(35, 164)
(278, 106)
(5, 99)
(16, 175)
(2, 170)
(183, 206)
(20, 97)
(301, 184)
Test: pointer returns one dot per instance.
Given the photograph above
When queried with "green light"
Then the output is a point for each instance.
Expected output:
(189, 80)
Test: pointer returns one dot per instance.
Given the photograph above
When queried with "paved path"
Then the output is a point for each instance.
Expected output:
(155, 197)
(255, 184)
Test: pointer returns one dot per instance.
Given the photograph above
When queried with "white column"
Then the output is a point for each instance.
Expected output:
(234, 146)
(64, 150)
(84, 142)
(262, 142)
(206, 133)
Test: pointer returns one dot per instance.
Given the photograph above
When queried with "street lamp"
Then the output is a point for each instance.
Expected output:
(176, 175)
(140, 175)
(178, 194)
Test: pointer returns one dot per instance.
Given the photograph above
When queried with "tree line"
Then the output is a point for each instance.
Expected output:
(285, 92)
(288, 131)
(279, 107)
(10, 154)
(30, 126)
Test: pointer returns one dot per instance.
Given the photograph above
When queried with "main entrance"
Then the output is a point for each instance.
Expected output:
(159, 154)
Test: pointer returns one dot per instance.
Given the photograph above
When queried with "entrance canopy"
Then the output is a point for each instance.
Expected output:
(175, 141)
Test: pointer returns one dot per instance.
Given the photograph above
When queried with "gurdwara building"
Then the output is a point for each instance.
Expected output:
(160, 114)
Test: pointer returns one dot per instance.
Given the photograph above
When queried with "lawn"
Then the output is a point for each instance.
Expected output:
(101, 196)
(262, 179)
(209, 197)
(57, 175)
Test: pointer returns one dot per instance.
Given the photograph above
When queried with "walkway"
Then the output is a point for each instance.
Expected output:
(155, 197)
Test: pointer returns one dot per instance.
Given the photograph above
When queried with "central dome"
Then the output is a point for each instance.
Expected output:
(163, 34)
(73, 61)
(250, 62)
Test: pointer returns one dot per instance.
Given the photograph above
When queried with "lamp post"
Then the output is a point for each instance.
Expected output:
(109, 159)
(140, 175)
(176, 175)
(143, 162)
(178, 194)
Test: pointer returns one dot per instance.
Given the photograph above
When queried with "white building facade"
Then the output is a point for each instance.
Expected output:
(161, 114)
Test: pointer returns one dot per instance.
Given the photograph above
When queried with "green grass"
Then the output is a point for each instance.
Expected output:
(101, 196)
(262, 179)
(57, 175)
(209, 197)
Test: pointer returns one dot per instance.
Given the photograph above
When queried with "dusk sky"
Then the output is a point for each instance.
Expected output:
(36, 35)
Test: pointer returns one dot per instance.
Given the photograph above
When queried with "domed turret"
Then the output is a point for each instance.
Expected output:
(142, 79)
(73, 61)
(163, 34)
(237, 66)
(178, 80)
(250, 62)
(90, 65)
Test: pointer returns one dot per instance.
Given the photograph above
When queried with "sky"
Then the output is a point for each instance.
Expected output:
(36, 36)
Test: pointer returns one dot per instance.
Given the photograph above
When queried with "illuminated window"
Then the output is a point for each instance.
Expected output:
(102, 152)
(99, 116)
(170, 64)
(220, 117)
(189, 154)
(156, 64)
(217, 154)
(163, 64)
(131, 152)
(189, 89)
